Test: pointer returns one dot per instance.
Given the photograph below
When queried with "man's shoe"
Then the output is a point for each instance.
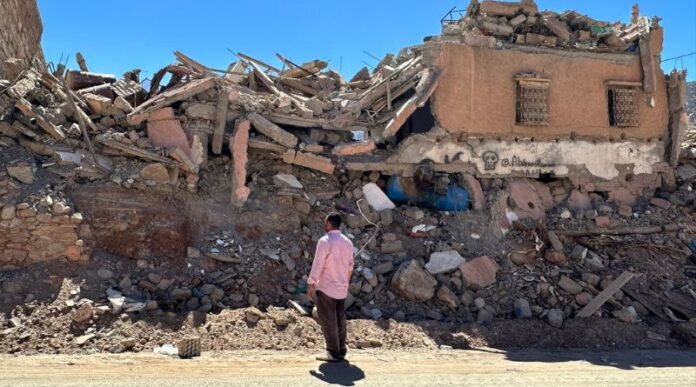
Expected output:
(328, 358)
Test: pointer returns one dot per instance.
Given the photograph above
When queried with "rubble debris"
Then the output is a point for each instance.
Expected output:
(479, 272)
(413, 283)
(444, 261)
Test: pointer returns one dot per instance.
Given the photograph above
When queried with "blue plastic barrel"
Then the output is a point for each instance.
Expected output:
(456, 199)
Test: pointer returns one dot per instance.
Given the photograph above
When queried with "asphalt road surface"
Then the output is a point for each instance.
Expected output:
(384, 368)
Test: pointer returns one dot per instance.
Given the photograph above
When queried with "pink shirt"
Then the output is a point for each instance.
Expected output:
(333, 263)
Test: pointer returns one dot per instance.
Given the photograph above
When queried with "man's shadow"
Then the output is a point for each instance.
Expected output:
(341, 373)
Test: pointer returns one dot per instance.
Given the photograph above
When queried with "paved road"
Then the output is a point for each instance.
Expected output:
(384, 368)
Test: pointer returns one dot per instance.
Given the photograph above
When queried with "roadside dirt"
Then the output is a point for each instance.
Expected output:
(390, 368)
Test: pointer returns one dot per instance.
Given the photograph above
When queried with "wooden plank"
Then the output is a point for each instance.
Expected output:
(170, 96)
(606, 294)
(295, 84)
(272, 130)
(648, 64)
(27, 109)
(220, 120)
(133, 150)
(308, 68)
(309, 122)
(196, 66)
(77, 80)
(258, 62)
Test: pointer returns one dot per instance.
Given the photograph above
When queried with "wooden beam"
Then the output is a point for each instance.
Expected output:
(273, 131)
(220, 120)
(606, 294)
(258, 62)
(133, 150)
(27, 109)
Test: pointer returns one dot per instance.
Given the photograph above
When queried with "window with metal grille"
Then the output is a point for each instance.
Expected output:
(532, 101)
(623, 106)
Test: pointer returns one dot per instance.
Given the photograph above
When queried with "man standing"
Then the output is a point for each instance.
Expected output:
(328, 281)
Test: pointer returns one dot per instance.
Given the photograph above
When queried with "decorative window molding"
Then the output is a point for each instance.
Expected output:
(532, 107)
(622, 99)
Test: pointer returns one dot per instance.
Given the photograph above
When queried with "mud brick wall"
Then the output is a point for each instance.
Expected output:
(29, 236)
(20, 31)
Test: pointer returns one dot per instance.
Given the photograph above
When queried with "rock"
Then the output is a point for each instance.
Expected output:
(554, 241)
(444, 261)
(522, 257)
(579, 201)
(484, 317)
(386, 217)
(23, 173)
(253, 315)
(591, 279)
(413, 283)
(479, 303)
(448, 297)
(370, 276)
(156, 172)
(583, 298)
(288, 261)
(193, 303)
(659, 202)
(83, 313)
(283, 319)
(8, 212)
(193, 253)
(253, 300)
(686, 172)
(522, 308)
(82, 340)
(118, 348)
(414, 213)
(373, 313)
(566, 214)
(128, 343)
(627, 315)
(594, 263)
(16, 322)
(467, 298)
(391, 247)
(603, 221)
(383, 268)
(180, 294)
(478, 198)
(579, 253)
(60, 208)
(105, 273)
(569, 285)
(556, 257)
(625, 211)
(479, 272)
(530, 198)
(287, 180)
(555, 318)
(376, 198)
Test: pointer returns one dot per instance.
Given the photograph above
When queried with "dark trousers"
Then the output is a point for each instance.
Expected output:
(332, 318)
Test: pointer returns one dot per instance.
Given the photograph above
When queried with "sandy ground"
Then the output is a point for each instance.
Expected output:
(442, 367)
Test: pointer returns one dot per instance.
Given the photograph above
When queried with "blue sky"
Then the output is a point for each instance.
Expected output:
(116, 36)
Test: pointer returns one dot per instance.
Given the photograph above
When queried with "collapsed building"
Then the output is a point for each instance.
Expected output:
(512, 120)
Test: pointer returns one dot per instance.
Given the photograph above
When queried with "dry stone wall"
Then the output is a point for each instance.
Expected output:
(31, 234)
(20, 32)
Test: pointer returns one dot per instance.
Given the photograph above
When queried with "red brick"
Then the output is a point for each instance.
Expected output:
(168, 134)
(478, 199)
(162, 114)
(311, 161)
(238, 145)
(353, 148)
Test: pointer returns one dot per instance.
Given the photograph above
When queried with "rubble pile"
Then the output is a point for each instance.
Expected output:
(205, 193)
(491, 23)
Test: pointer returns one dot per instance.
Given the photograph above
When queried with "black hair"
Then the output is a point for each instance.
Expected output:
(334, 219)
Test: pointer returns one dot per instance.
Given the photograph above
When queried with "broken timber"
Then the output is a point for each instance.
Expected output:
(607, 293)
(272, 130)
(220, 120)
